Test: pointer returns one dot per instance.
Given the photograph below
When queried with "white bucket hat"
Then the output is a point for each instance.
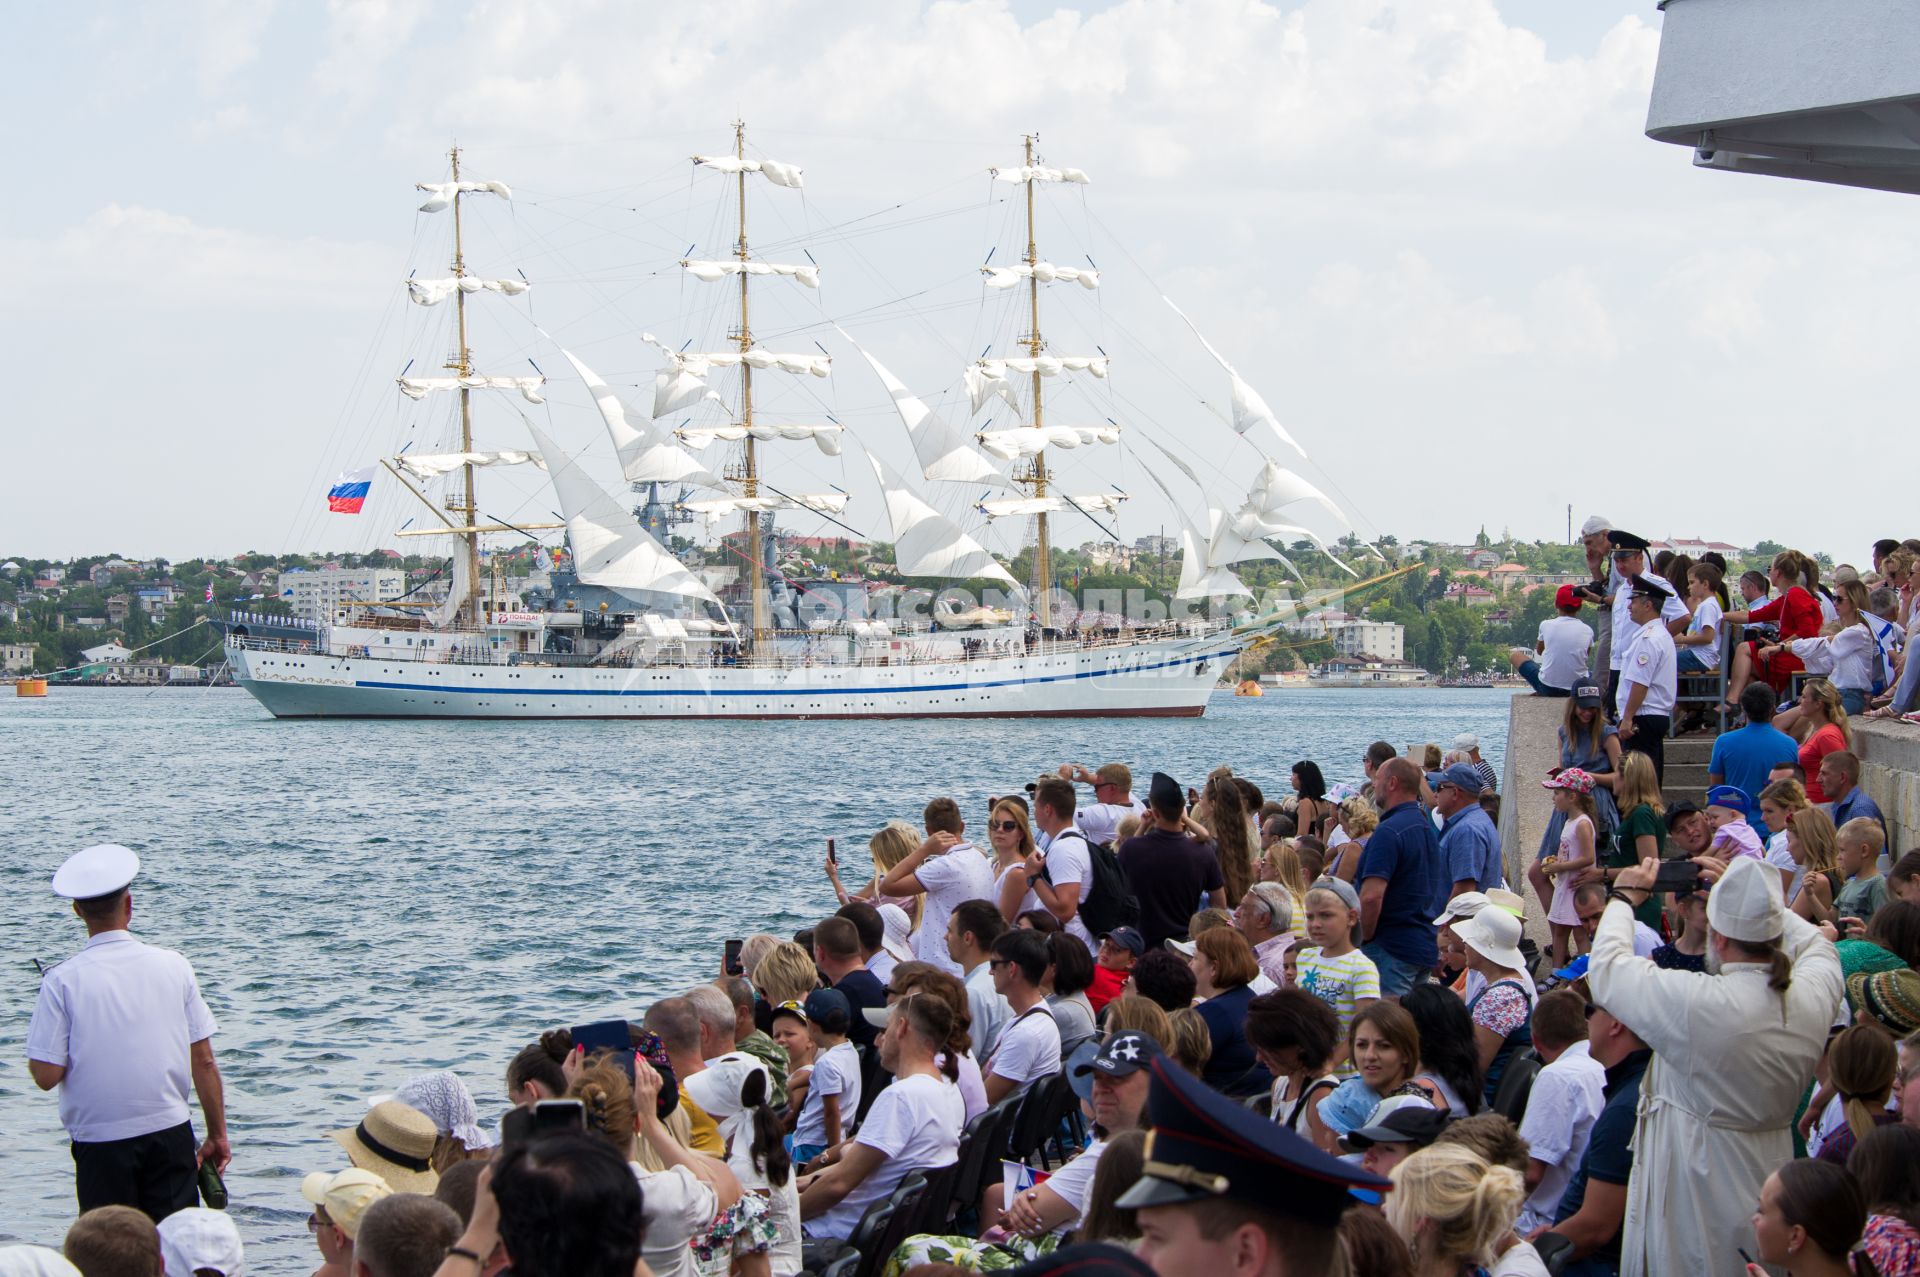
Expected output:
(899, 926)
(1494, 934)
(197, 1239)
(1745, 905)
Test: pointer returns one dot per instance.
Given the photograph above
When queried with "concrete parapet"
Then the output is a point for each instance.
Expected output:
(1890, 773)
(1533, 749)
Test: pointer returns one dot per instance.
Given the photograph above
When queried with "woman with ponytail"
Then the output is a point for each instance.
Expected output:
(1797, 613)
(1810, 1216)
(736, 1091)
(914, 1124)
(1860, 1066)
(535, 1073)
(1886, 1165)
(1455, 1212)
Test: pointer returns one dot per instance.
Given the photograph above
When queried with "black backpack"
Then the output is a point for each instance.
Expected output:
(1111, 903)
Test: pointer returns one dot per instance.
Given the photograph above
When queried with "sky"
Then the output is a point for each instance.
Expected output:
(1431, 234)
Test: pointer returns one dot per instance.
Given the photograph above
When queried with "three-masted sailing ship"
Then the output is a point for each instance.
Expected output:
(631, 631)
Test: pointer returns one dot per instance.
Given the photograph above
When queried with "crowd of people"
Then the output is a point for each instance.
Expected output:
(1302, 1033)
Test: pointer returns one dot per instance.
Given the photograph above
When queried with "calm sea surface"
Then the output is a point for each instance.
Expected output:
(367, 900)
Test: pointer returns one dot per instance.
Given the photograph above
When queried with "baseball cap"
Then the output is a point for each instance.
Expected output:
(1122, 1055)
(345, 1195)
(1464, 905)
(198, 1240)
(824, 1005)
(1679, 809)
(1466, 740)
(1399, 1119)
(1588, 696)
(1128, 938)
(1732, 797)
(1565, 597)
(1461, 776)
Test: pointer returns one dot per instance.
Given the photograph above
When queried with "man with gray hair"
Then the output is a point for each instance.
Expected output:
(1593, 538)
(717, 1020)
(681, 1028)
(404, 1235)
(1265, 918)
(1732, 1055)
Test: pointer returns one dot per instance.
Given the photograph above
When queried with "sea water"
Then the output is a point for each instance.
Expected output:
(366, 900)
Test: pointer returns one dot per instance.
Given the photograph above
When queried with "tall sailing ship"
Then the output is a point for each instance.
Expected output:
(628, 630)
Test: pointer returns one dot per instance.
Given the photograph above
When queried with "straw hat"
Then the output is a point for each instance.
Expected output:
(1494, 934)
(345, 1194)
(1746, 904)
(395, 1142)
(1501, 898)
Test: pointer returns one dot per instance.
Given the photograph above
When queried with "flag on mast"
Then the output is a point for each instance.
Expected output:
(349, 491)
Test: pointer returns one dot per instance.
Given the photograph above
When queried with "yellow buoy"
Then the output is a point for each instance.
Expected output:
(1249, 688)
(30, 687)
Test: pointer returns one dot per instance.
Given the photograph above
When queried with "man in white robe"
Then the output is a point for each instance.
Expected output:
(1732, 1057)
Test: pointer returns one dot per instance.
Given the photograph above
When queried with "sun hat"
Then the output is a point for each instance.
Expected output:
(1494, 934)
(345, 1195)
(1745, 905)
(1579, 781)
(1501, 898)
(899, 926)
(445, 1098)
(394, 1141)
(1891, 998)
(1464, 905)
(717, 1088)
(197, 1240)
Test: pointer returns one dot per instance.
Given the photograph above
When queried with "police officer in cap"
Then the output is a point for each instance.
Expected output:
(121, 1029)
(1630, 565)
(1222, 1192)
(1649, 674)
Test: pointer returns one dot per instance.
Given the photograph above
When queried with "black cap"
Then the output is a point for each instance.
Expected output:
(1647, 588)
(1165, 792)
(1202, 1146)
(1089, 1259)
(1122, 1055)
(1679, 809)
(1413, 1124)
(1588, 695)
(1625, 542)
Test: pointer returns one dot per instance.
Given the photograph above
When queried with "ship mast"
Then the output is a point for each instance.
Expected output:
(749, 474)
(1036, 476)
(462, 363)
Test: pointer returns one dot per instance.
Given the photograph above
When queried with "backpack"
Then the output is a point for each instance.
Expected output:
(1109, 903)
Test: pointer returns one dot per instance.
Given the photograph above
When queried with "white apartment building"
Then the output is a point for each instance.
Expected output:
(1376, 640)
(315, 593)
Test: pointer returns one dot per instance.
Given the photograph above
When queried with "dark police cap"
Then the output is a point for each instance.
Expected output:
(1165, 792)
(1625, 542)
(1646, 588)
(1202, 1146)
(1090, 1259)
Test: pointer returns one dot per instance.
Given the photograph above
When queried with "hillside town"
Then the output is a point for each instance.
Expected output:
(1421, 612)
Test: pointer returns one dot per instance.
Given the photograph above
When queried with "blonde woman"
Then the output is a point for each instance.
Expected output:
(1281, 863)
(1011, 834)
(1848, 647)
(1358, 819)
(1814, 846)
(785, 974)
(1642, 835)
(892, 844)
(1455, 1211)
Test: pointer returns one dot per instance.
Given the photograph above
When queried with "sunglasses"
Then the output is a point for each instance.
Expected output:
(1007, 826)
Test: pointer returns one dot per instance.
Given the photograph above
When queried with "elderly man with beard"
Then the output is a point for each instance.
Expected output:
(1733, 1051)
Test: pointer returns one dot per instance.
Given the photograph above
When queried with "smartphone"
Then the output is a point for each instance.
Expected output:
(832, 859)
(548, 1117)
(1677, 875)
(731, 962)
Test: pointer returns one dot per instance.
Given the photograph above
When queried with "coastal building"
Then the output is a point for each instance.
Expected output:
(117, 608)
(315, 593)
(107, 653)
(1370, 640)
(1355, 671)
(1694, 547)
(154, 600)
(102, 573)
(16, 658)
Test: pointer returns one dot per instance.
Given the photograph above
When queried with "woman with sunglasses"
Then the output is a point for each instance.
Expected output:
(1011, 834)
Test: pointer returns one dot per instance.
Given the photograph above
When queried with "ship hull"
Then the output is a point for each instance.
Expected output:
(1166, 679)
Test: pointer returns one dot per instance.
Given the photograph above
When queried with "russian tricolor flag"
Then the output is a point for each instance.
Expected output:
(349, 491)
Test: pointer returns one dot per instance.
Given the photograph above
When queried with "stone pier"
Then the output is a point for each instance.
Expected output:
(1890, 773)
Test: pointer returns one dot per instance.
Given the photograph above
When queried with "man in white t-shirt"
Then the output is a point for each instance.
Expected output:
(971, 930)
(946, 869)
(1113, 800)
(1562, 646)
(1060, 872)
(1120, 1079)
(1029, 1045)
(1567, 1098)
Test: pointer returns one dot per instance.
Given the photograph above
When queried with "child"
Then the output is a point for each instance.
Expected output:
(1572, 798)
(1732, 835)
(833, 1088)
(1332, 969)
(1118, 950)
(1858, 845)
(789, 1029)
(1903, 880)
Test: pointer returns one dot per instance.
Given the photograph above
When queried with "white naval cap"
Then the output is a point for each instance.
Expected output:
(97, 871)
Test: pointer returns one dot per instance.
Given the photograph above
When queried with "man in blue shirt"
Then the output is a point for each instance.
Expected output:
(1840, 779)
(1402, 882)
(1743, 757)
(1469, 842)
(1593, 1210)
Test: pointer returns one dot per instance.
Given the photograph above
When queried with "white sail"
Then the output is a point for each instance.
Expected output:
(458, 588)
(609, 547)
(431, 292)
(988, 377)
(1038, 173)
(1028, 441)
(1001, 507)
(1045, 272)
(421, 387)
(684, 380)
(926, 542)
(1259, 517)
(647, 454)
(820, 502)
(1277, 487)
(1249, 409)
(432, 465)
(440, 194)
(774, 171)
(826, 435)
(1197, 579)
(713, 272)
(944, 452)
